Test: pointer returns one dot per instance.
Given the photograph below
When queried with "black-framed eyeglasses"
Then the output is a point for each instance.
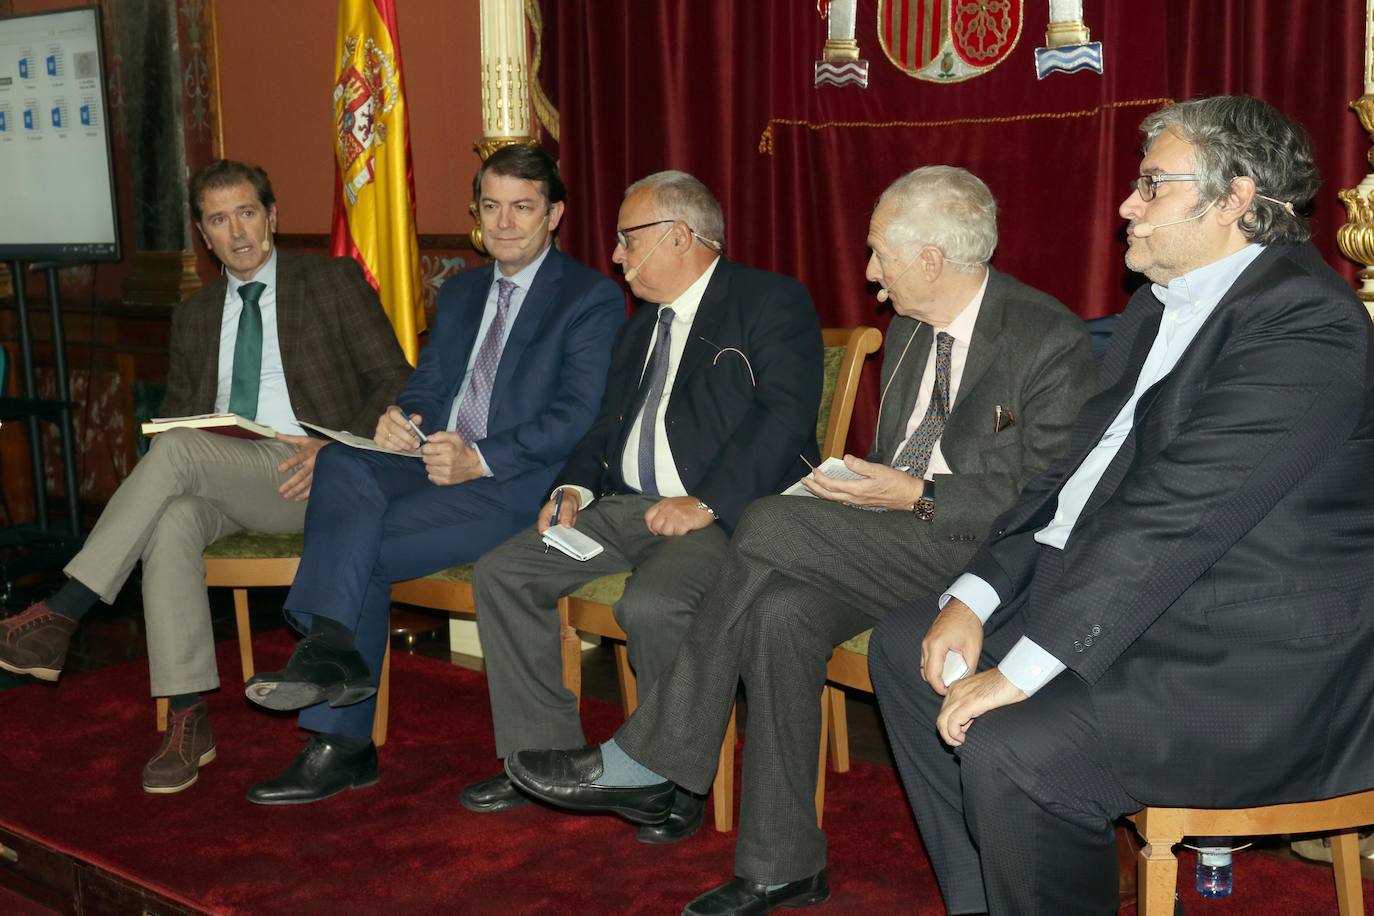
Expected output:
(1147, 185)
(623, 235)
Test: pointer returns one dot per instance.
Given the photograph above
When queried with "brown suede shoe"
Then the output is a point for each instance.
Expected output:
(187, 746)
(35, 642)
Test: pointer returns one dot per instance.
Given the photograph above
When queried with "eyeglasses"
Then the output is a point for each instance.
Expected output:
(1147, 185)
(623, 235)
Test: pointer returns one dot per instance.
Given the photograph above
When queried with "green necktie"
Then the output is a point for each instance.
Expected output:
(243, 390)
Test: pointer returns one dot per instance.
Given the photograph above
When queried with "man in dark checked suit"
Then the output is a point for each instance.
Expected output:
(982, 377)
(711, 403)
(1181, 611)
(508, 383)
(281, 338)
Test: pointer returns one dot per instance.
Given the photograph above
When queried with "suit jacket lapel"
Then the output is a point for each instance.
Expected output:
(542, 294)
(211, 318)
(290, 315)
(702, 341)
(986, 344)
(903, 388)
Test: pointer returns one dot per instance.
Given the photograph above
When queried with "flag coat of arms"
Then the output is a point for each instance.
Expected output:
(946, 41)
(374, 198)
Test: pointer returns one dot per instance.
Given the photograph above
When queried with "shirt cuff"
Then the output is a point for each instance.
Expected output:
(583, 494)
(486, 468)
(1029, 667)
(980, 597)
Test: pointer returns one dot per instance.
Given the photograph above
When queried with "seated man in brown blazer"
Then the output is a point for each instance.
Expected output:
(280, 338)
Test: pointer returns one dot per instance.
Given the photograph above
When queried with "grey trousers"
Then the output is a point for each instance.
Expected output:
(802, 576)
(517, 587)
(191, 489)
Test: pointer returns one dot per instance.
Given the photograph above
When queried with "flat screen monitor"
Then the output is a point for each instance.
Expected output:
(56, 168)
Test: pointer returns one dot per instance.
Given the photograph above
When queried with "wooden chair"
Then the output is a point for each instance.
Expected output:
(253, 559)
(1164, 828)
(589, 608)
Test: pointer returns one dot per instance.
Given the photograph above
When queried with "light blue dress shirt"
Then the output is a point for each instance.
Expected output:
(522, 280)
(274, 401)
(1188, 301)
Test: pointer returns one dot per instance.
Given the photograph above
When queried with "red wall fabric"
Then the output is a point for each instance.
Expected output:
(724, 90)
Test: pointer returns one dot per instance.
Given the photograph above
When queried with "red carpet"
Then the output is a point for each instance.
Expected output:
(72, 755)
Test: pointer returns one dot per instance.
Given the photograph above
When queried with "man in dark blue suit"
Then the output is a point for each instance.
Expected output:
(509, 382)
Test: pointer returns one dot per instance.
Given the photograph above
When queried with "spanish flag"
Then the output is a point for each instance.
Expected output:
(374, 195)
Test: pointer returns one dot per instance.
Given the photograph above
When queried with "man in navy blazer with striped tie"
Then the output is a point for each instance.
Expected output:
(510, 380)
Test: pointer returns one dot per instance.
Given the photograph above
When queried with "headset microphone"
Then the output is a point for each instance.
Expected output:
(633, 272)
(265, 244)
(1144, 230)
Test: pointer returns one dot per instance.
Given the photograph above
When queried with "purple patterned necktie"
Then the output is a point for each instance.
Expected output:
(915, 455)
(471, 422)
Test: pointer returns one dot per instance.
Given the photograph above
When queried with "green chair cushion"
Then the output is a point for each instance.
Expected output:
(857, 644)
(255, 545)
(834, 356)
(606, 590)
(454, 573)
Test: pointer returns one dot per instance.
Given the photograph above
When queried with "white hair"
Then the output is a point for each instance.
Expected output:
(948, 207)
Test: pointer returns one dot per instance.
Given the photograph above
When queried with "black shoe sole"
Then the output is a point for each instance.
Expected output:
(314, 798)
(287, 696)
(505, 804)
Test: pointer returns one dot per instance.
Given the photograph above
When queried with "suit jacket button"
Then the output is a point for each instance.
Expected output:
(999, 532)
(1097, 631)
(1087, 640)
(1077, 646)
(954, 537)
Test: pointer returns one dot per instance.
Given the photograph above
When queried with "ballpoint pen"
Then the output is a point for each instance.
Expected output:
(424, 440)
(553, 519)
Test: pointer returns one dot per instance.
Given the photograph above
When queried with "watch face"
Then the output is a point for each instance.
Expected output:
(924, 509)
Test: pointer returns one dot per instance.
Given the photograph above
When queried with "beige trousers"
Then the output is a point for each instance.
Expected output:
(191, 489)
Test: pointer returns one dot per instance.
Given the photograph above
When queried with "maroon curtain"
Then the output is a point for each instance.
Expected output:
(723, 89)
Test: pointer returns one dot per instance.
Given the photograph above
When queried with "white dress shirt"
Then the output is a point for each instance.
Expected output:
(274, 401)
(522, 279)
(961, 329)
(665, 468)
(1188, 301)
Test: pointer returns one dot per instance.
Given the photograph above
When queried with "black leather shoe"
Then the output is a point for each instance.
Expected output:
(747, 898)
(683, 820)
(492, 795)
(315, 672)
(321, 770)
(564, 778)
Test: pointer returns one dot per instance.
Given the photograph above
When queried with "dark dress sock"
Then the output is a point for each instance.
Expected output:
(347, 742)
(183, 701)
(331, 632)
(72, 600)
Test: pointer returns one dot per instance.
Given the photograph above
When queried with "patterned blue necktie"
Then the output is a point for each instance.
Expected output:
(652, 387)
(471, 422)
(915, 455)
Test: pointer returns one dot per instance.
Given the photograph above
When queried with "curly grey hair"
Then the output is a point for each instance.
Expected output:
(1238, 135)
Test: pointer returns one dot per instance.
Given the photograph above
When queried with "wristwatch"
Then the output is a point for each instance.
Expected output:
(707, 509)
(924, 506)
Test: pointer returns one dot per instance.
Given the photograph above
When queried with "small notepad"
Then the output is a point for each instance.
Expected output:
(572, 542)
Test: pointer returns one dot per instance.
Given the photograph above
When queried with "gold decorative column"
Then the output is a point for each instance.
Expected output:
(1356, 237)
(505, 84)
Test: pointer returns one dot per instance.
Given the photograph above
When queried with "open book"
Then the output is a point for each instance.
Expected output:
(831, 467)
(355, 441)
(226, 424)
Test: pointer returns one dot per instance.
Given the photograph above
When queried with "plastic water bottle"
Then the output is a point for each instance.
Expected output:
(1214, 866)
